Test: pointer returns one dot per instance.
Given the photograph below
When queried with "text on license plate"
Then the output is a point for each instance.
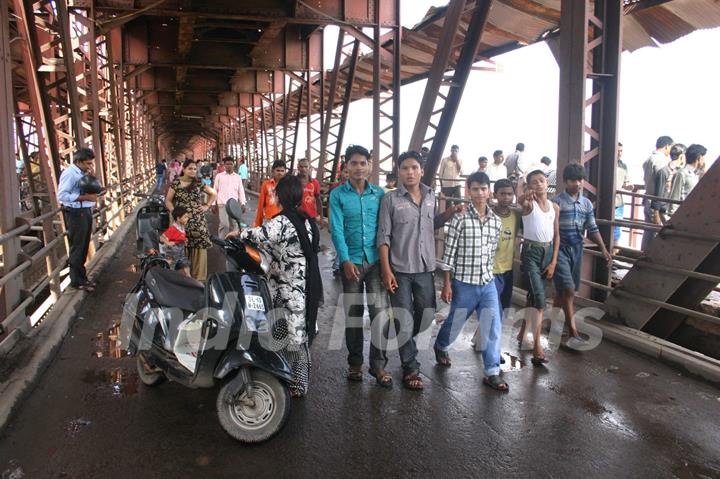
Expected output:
(254, 302)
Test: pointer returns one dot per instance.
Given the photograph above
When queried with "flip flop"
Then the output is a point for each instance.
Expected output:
(538, 361)
(384, 380)
(496, 383)
(442, 358)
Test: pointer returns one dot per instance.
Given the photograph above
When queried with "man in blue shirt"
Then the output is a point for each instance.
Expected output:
(77, 211)
(354, 210)
(243, 170)
(576, 217)
(160, 169)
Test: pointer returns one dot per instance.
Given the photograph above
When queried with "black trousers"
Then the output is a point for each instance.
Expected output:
(78, 222)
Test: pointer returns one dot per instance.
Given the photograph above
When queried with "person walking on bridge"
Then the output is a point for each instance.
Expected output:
(268, 205)
(77, 213)
(449, 172)
(228, 185)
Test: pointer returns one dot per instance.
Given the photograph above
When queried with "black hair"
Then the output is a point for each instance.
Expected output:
(454, 147)
(303, 159)
(411, 154)
(574, 171)
(187, 163)
(663, 141)
(545, 160)
(425, 148)
(228, 158)
(520, 147)
(289, 192)
(694, 152)
(391, 177)
(483, 158)
(178, 212)
(356, 150)
(83, 154)
(497, 153)
(478, 177)
(278, 164)
(503, 183)
(677, 150)
(533, 173)
(620, 144)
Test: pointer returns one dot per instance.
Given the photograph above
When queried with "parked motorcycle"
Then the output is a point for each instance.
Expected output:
(152, 219)
(218, 333)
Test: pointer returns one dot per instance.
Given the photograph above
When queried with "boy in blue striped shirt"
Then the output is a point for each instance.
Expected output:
(576, 217)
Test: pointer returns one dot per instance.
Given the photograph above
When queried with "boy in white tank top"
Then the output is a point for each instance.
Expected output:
(541, 232)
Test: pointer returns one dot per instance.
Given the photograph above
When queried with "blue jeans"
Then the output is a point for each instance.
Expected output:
(159, 179)
(619, 213)
(414, 311)
(484, 301)
(504, 285)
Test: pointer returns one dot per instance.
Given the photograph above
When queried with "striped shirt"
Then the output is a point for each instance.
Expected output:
(470, 246)
(576, 216)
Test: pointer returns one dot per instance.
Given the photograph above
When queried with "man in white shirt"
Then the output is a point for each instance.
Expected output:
(516, 163)
(228, 184)
(450, 169)
(496, 170)
(658, 160)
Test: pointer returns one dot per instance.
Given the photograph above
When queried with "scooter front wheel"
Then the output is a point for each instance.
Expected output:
(148, 378)
(256, 417)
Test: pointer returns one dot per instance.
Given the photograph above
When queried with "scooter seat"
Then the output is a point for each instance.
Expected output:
(173, 289)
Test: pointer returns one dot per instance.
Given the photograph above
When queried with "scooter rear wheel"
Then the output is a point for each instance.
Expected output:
(259, 417)
(148, 378)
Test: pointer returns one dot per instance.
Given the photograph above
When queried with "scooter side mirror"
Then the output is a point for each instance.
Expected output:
(233, 209)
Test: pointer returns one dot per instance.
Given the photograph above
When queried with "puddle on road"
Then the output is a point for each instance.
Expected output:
(76, 425)
(108, 345)
(118, 382)
(13, 471)
(512, 363)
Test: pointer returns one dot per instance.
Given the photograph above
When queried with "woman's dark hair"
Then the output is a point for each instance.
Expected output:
(187, 163)
(289, 192)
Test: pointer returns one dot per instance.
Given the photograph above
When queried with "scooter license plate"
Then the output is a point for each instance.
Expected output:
(254, 303)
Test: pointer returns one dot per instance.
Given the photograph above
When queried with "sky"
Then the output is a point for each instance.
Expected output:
(670, 90)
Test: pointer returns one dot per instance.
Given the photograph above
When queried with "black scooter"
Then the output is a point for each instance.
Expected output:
(152, 219)
(202, 335)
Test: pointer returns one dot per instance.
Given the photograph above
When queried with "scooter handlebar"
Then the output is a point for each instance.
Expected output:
(219, 241)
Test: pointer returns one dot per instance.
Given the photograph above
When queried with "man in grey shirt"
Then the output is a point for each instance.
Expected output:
(657, 160)
(688, 176)
(406, 242)
(663, 182)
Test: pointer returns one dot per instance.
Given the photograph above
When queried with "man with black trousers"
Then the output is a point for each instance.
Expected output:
(77, 211)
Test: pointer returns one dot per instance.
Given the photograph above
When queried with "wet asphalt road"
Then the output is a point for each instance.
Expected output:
(605, 413)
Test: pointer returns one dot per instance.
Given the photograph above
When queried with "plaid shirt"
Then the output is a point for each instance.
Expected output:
(470, 246)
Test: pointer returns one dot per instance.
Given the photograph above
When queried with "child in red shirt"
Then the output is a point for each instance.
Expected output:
(172, 241)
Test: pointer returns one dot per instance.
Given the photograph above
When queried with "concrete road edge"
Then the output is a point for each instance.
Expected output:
(58, 323)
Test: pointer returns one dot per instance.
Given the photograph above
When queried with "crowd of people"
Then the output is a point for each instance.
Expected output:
(385, 243)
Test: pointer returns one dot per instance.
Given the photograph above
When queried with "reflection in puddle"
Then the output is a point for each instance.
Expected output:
(512, 363)
(74, 426)
(121, 382)
(108, 345)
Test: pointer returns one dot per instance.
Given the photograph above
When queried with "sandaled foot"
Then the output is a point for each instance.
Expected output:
(84, 287)
(442, 357)
(539, 360)
(496, 383)
(382, 377)
(413, 382)
(354, 374)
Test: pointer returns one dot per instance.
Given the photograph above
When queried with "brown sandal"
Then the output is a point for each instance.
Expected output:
(413, 382)
(354, 374)
(383, 379)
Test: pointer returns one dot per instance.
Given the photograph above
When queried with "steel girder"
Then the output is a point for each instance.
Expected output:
(590, 48)
(457, 85)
